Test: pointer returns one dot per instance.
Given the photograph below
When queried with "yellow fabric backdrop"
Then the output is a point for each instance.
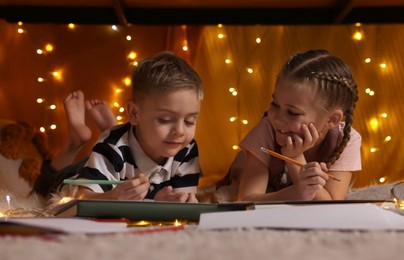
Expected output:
(94, 58)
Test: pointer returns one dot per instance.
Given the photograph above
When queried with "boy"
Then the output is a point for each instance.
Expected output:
(154, 153)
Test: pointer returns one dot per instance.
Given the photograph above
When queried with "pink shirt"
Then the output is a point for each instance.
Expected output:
(262, 135)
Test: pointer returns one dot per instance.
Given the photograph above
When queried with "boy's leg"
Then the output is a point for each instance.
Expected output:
(101, 113)
(79, 132)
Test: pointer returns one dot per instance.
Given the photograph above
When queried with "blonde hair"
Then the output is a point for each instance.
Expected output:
(164, 73)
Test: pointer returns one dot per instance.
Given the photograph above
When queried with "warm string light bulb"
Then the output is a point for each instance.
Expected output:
(57, 75)
(49, 47)
(8, 199)
(358, 36)
(369, 92)
(233, 91)
(185, 46)
(374, 124)
(132, 55)
(185, 41)
(65, 200)
(71, 26)
(127, 81)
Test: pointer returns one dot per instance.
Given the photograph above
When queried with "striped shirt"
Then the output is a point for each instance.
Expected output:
(117, 155)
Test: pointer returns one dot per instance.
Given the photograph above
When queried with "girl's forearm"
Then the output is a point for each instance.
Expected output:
(287, 194)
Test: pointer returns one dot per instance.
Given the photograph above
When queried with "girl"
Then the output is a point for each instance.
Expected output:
(313, 93)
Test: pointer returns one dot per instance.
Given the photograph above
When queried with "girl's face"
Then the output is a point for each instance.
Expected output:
(165, 123)
(293, 105)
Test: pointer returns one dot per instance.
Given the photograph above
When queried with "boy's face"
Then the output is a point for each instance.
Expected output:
(165, 123)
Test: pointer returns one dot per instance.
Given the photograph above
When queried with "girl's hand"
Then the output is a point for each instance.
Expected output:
(312, 178)
(134, 189)
(296, 145)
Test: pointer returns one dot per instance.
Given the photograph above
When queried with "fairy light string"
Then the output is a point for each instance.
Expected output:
(49, 78)
(242, 69)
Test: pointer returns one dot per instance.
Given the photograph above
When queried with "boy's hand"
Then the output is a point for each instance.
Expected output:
(313, 178)
(167, 194)
(297, 145)
(134, 189)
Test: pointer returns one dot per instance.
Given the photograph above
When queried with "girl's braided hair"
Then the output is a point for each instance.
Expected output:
(333, 84)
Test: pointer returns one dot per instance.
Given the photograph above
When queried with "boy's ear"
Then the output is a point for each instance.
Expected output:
(335, 118)
(132, 111)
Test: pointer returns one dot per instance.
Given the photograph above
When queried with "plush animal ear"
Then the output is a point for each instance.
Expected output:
(335, 118)
(132, 110)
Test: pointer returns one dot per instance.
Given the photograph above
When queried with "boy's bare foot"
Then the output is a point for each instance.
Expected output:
(78, 132)
(75, 112)
(101, 113)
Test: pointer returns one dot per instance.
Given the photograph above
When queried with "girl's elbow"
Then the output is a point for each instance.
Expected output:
(243, 197)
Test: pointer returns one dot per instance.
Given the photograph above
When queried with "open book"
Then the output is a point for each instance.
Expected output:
(142, 210)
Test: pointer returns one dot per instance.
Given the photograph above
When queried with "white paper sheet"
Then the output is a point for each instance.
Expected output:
(72, 225)
(356, 216)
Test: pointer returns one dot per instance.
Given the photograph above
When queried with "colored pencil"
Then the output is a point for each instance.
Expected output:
(287, 159)
(86, 181)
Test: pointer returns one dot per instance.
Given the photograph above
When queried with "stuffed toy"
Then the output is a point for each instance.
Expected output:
(22, 151)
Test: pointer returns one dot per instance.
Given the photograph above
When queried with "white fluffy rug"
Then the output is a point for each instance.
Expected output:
(194, 244)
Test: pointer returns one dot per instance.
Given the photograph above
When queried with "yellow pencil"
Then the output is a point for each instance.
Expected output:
(285, 158)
